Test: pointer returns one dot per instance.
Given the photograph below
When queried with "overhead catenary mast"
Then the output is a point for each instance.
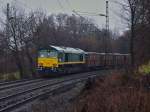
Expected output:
(7, 34)
(107, 28)
(107, 17)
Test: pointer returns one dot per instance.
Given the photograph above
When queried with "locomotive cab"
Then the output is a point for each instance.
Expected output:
(47, 59)
(59, 59)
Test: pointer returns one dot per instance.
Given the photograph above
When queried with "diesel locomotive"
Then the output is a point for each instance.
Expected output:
(59, 59)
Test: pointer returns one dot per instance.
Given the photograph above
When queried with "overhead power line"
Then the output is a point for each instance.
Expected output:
(67, 1)
(119, 3)
(61, 6)
(72, 9)
(77, 13)
(90, 13)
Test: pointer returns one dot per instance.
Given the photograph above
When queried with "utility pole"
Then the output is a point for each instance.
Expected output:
(7, 35)
(106, 38)
(7, 11)
(107, 28)
(107, 18)
(7, 20)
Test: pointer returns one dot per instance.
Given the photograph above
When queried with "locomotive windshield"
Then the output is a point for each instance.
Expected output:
(47, 54)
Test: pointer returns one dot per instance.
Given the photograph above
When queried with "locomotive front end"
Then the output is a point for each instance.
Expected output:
(47, 61)
(55, 60)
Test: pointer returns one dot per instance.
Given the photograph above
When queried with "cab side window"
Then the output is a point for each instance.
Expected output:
(66, 57)
(81, 57)
(61, 57)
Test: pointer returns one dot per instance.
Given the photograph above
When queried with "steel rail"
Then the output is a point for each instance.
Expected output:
(12, 82)
(18, 84)
(42, 87)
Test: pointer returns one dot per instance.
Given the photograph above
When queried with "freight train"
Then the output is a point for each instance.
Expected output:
(64, 60)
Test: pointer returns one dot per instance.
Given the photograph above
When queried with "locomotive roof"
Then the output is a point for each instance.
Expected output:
(67, 49)
(106, 53)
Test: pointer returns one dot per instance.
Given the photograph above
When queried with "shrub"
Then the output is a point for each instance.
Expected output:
(145, 69)
(111, 95)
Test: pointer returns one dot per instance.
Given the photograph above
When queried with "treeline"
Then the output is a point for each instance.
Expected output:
(142, 37)
(23, 34)
(137, 15)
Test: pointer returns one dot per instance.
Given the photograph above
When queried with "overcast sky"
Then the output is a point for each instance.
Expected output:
(66, 6)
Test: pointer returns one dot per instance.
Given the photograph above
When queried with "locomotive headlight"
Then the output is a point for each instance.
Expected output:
(54, 65)
(60, 60)
(40, 64)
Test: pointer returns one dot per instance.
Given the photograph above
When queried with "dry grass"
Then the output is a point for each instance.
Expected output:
(10, 76)
(116, 93)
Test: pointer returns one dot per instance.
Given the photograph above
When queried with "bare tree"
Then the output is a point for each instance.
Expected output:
(19, 32)
(12, 35)
(132, 16)
(27, 38)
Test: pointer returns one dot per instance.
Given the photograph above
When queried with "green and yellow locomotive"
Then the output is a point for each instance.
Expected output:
(54, 59)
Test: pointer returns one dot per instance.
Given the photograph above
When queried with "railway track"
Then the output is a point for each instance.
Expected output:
(18, 83)
(14, 82)
(15, 100)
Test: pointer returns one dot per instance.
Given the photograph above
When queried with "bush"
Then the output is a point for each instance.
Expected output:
(111, 95)
(145, 69)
